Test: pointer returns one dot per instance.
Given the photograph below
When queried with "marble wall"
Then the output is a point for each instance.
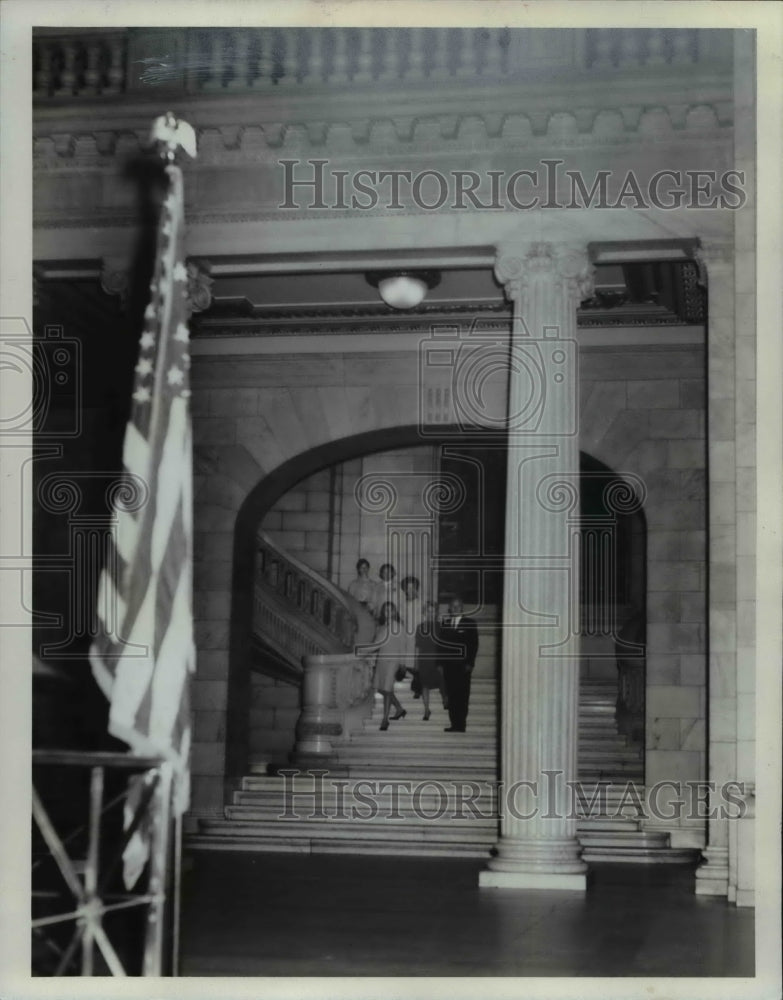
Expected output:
(642, 412)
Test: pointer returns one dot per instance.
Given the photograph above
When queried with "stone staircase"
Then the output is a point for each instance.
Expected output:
(613, 830)
(417, 790)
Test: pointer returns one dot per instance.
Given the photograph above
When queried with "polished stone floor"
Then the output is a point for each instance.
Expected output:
(288, 915)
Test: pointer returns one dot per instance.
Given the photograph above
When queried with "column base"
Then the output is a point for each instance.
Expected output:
(712, 876)
(537, 863)
(532, 880)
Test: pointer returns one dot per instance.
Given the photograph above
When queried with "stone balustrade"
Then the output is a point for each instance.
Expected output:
(631, 48)
(297, 611)
(314, 626)
(87, 64)
(104, 63)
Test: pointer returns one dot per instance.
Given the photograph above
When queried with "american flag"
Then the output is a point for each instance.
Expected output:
(143, 662)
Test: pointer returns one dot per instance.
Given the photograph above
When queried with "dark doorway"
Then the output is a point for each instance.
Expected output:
(471, 538)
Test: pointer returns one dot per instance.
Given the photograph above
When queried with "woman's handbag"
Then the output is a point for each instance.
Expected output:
(416, 683)
(400, 674)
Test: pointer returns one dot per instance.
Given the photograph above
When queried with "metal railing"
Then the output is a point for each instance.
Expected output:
(76, 881)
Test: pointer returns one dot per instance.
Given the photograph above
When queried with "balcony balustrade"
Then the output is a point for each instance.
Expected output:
(105, 63)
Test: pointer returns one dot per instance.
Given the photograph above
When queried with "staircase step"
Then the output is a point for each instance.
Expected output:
(640, 855)
(356, 846)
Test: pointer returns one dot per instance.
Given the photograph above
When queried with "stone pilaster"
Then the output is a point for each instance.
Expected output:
(115, 279)
(716, 261)
(538, 847)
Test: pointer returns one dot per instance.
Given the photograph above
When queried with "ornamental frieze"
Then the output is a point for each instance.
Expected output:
(75, 143)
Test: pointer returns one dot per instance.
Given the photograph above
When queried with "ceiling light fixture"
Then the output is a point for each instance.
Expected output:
(403, 289)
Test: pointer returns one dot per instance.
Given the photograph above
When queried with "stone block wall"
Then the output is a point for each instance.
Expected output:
(403, 532)
(322, 522)
(643, 412)
(274, 709)
(303, 522)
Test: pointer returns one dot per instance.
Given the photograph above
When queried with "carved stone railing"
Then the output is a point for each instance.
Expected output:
(337, 694)
(314, 627)
(87, 63)
(630, 48)
(91, 62)
(296, 611)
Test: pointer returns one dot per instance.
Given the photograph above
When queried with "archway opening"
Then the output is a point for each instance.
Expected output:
(441, 519)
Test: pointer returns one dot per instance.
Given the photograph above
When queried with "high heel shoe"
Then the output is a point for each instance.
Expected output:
(384, 725)
(399, 715)
(427, 716)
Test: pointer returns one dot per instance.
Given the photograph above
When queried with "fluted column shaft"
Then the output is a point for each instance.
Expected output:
(540, 666)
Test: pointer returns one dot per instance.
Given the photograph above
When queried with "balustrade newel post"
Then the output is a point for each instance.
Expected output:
(264, 78)
(604, 43)
(415, 68)
(115, 71)
(241, 67)
(43, 75)
(92, 76)
(340, 57)
(364, 58)
(439, 54)
(217, 55)
(466, 52)
(67, 81)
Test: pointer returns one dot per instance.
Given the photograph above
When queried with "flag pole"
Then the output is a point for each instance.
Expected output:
(171, 135)
(176, 895)
(150, 698)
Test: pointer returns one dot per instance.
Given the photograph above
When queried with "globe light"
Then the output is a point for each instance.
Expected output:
(403, 289)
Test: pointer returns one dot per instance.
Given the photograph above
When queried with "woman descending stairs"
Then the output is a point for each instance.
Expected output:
(417, 790)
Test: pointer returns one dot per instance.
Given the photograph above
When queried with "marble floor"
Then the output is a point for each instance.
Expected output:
(288, 915)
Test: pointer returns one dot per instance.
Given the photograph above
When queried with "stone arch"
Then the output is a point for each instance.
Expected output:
(257, 502)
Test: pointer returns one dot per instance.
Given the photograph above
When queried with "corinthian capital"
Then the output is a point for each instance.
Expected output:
(565, 264)
(199, 295)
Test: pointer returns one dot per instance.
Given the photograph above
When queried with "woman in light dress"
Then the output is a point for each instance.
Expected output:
(364, 589)
(391, 642)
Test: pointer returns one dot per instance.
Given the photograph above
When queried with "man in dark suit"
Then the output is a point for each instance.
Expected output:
(460, 632)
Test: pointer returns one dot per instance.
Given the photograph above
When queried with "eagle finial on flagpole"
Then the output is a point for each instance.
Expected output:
(172, 133)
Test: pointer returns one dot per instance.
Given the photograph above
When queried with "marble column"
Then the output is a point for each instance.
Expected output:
(538, 847)
(717, 264)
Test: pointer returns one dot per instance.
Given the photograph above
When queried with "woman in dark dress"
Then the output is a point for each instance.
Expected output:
(427, 655)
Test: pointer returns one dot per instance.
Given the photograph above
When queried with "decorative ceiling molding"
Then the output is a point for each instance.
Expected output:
(79, 142)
